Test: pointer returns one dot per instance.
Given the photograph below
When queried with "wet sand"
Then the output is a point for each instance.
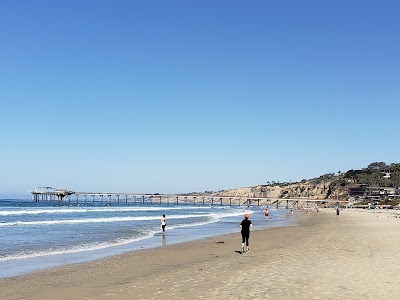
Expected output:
(355, 256)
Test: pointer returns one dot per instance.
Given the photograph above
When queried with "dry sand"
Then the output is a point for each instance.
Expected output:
(356, 256)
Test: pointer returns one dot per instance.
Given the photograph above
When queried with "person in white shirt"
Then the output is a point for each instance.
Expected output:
(163, 224)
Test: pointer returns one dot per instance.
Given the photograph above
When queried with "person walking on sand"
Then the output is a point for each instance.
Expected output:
(163, 224)
(266, 214)
(337, 212)
(245, 231)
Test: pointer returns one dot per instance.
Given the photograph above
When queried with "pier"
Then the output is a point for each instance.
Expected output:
(64, 195)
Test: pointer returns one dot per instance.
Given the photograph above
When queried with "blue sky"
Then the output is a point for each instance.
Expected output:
(181, 96)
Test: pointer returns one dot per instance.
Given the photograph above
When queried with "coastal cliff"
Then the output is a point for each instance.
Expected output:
(325, 187)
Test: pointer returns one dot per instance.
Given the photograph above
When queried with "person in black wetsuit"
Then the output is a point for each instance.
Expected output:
(245, 230)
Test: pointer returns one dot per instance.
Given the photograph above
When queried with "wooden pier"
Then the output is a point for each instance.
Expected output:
(63, 195)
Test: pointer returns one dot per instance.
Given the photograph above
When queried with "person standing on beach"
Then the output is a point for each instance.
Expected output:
(266, 214)
(337, 212)
(163, 224)
(245, 230)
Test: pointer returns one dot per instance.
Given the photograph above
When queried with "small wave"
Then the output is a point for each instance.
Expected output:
(98, 220)
(90, 210)
(81, 248)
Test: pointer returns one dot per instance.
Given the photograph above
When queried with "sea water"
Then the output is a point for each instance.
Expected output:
(38, 235)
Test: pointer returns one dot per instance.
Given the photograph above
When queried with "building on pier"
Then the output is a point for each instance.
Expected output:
(48, 193)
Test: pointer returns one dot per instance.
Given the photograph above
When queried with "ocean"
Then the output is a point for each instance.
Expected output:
(39, 235)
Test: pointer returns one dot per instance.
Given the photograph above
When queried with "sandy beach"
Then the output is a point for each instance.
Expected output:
(355, 256)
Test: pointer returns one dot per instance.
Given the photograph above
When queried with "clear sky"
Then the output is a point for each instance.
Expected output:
(181, 96)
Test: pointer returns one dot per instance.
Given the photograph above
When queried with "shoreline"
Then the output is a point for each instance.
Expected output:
(195, 231)
(353, 257)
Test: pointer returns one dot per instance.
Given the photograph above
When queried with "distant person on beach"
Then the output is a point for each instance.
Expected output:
(266, 214)
(163, 224)
(337, 212)
(291, 211)
(245, 230)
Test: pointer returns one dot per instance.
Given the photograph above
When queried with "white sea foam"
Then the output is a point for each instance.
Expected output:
(68, 210)
(76, 249)
(98, 220)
